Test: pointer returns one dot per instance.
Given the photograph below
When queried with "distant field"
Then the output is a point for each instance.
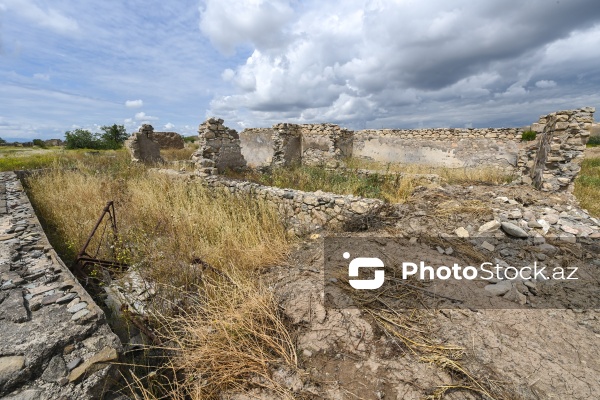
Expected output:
(587, 185)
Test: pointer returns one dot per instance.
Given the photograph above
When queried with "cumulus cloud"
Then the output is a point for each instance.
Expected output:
(169, 125)
(141, 116)
(355, 63)
(233, 23)
(134, 103)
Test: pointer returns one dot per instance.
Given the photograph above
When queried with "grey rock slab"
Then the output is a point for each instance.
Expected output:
(55, 370)
(13, 308)
(79, 314)
(77, 307)
(498, 289)
(66, 298)
(514, 230)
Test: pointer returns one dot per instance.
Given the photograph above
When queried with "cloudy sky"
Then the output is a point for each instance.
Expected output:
(361, 64)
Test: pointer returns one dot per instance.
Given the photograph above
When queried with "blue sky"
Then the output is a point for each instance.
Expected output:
(376, 63)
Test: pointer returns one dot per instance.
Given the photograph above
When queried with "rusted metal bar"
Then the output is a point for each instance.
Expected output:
(84, 259)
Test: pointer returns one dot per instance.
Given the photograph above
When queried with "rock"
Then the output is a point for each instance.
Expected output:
(488, 246)
(10, 365)
(547, 249)
(74, 363)
(77, 307)
(489, 226)
(358, 207)
(449, 251)
(534, 224)
(79, 314)
(569, 229)
(515, 214)
(91, 365)
(515, 296)
(545, 225)
(461, 232)
(551, 218)
(55, 370)
(513, 230)
(498, 289)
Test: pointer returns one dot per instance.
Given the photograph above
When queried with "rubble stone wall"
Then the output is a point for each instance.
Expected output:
(441, 147)
(142, 146)
(553, 161)
(303, 211)
(257, 146)
(219, 148)
(168, 140)
(56, 342)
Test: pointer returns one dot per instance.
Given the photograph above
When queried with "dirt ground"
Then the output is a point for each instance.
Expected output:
(460, 353)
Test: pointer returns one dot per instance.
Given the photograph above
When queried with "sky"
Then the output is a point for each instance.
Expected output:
(67, 64)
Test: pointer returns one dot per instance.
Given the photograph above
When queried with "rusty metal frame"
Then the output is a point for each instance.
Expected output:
(84, 259)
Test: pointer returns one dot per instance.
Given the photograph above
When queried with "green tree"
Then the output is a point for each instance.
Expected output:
(81, 139)
(113, 136)
(39, 143)
(2, 141)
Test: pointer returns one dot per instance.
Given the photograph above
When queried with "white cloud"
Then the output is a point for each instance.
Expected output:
(42, 77)
(48, 17)
(134, 103)
(257, 22)
(544, 84)
(141, 116)
(357, 64)
(169, 125)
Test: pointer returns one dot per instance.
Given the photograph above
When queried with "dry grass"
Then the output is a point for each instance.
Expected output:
(232, 335)
(179, 154)
(462, 176)
(204, 250)
(587, 186)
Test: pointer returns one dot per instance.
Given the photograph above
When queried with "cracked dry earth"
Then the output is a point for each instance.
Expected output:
(511, 353)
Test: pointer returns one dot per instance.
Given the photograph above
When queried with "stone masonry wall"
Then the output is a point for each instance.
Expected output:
(442, 147)
(325, 144)
(553, 161)
(56, 343)
(303, 211)
(168, 140)
(257, 146)
(219, 148)
(142, 146)
(287, 145)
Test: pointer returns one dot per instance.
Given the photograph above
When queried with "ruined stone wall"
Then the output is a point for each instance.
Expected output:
(168, 140)
(56, 343)
(257, 146)
(442, 147)
(303, 211)
(219, 148)
(325, 144)
(287, 145)
(142, 146)
(553, 161)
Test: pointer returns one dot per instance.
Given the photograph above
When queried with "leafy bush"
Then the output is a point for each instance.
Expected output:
(528, 136)
(39, 143)
(190, 139)
(594, 141)
(111, 138)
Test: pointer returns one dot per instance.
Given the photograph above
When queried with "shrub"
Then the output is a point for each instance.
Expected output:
(111, 138)
(528, 136)
(39, 143)
(594, 141)
(190, 139)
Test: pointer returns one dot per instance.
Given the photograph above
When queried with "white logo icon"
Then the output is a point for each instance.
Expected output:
(365, 262)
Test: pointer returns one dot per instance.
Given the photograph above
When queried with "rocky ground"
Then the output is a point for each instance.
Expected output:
(534, 350)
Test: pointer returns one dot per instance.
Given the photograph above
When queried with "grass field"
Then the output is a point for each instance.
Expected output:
(587, 185)
(221, 323)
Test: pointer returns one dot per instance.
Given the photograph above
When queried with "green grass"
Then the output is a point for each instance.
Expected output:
(390, 188)
(587, 186)
(17, 158)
